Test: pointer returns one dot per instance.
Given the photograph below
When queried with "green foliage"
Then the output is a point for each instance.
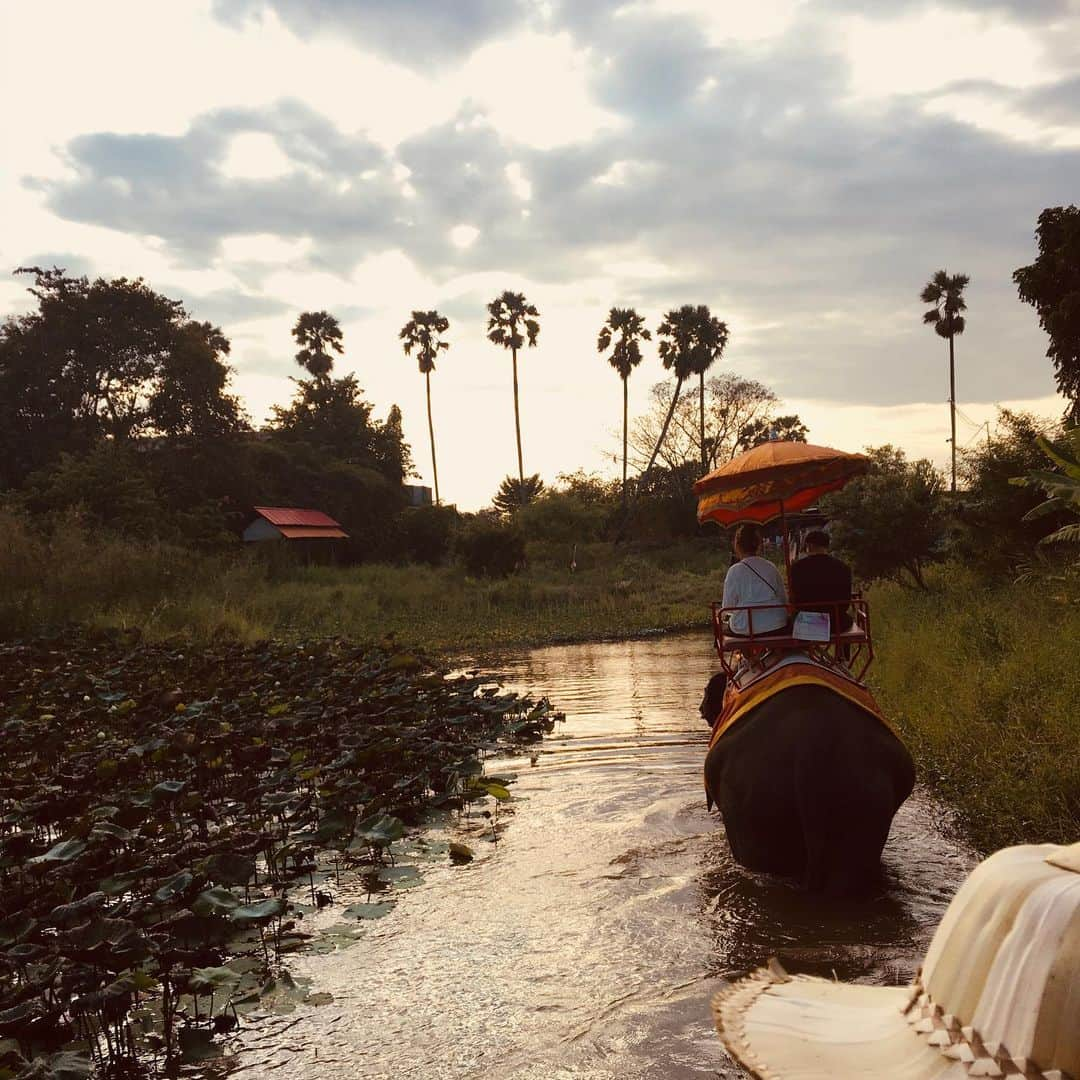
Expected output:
(1062, 488)
(626, 328)
(488, 547)
(514, 494)
(428, 532)
(421, 335)
(890, 522)
(982, 682)
(113, 933)
(318, 334)
(1051, 284)
(332, 416)
(995, 531)
(946, 293)
(768, 429)
(563, 517)
(105, 359)
(512, 321)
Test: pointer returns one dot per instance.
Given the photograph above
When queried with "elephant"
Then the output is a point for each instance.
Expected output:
(807, 783)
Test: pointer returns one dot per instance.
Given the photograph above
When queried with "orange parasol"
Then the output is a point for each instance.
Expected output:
(773, 479)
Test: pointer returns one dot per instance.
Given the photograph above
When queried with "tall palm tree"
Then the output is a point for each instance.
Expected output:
(421, 333)
(631, 331)
(947, 295)
(317, 332)
(712, 336)
(508, 315)
(693, 339)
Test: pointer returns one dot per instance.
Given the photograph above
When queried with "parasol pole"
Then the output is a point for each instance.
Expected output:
(787, 546)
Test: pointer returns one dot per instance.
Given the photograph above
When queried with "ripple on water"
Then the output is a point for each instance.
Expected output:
(587, 943)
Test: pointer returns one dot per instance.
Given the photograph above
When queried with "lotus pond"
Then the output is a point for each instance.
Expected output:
(169, 819)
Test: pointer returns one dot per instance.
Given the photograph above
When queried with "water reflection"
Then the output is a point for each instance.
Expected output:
(588, 941)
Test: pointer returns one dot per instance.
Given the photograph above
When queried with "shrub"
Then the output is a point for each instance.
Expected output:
(561, 517)
(489, 548)
(427, 533)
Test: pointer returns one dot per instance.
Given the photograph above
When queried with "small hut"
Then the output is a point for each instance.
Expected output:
(293, 523)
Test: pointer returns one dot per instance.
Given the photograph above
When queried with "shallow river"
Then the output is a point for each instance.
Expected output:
(588, 941)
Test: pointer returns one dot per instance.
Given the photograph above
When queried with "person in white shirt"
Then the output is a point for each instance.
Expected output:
(754, 582)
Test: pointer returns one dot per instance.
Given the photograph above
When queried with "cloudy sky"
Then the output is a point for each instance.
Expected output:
(802, 166)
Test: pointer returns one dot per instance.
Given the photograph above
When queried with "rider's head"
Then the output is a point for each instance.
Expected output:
(817, 542)
(747, 540)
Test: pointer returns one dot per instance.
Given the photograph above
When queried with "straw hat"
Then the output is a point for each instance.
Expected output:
(997, 995)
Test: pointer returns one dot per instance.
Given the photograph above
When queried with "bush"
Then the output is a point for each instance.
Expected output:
(427, 533)
(489, 548)
(890, 522)
(560, 517)
(995, 536)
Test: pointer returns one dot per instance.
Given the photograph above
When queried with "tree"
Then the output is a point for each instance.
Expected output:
(889, 522)
(421, 333)
(332, 416)
(947, 295)
(105, 359)
(625, 356)
(772, 429)
(508, 315)
(712, 336)
(1062, 489)
(692, 339)
(994, 533)
(732, 405)
(317, 332)
(1051, 284)
(514, 493)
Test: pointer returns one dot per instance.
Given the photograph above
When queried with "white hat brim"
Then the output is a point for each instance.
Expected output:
(784, 1027)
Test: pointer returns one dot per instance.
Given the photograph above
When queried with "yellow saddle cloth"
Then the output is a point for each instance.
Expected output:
(738, 702)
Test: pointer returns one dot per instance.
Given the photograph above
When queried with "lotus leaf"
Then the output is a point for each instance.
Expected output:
(63, 852)
(176, 886)
(216, 901)
(261, 912)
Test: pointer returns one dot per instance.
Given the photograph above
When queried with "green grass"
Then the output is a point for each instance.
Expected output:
(163, 591)
(984, 683)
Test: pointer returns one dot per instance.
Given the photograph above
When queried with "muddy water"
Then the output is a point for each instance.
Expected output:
(587, 942)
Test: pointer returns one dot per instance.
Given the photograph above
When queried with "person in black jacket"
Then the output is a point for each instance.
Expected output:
(819, 578)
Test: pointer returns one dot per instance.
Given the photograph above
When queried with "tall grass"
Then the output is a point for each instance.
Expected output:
(984, 683)
(164, 590)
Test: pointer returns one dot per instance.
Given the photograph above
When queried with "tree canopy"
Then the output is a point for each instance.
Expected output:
(318, 334)
(890, 522)
(736, 410)
(1051, 284)
(106, 359)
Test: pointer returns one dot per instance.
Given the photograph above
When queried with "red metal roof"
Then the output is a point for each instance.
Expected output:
(293, 515)
(304, 532)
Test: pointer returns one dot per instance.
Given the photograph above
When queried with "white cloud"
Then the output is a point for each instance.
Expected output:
(534, 89)
(263, 248)
(519, 182)
(909, 55)
(255, 155)
(726, 21)
(463, 236)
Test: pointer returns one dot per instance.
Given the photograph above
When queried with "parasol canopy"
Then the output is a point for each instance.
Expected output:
(773, 479)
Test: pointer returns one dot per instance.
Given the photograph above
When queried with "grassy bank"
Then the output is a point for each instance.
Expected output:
(162, 590)
(984, 683)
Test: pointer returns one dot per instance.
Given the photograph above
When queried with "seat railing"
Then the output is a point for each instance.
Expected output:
(851, 648)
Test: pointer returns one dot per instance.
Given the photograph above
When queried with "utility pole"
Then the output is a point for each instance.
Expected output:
(952, 409)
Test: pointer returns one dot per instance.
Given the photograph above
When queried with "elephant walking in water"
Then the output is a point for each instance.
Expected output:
(807, 784)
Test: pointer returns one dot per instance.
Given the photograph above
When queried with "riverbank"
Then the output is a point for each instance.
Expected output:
(984, 684)
(983, 680)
